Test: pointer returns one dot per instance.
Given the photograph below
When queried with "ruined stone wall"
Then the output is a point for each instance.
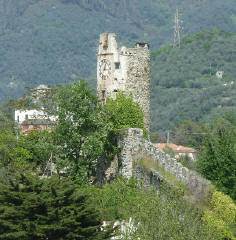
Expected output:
(134, 146)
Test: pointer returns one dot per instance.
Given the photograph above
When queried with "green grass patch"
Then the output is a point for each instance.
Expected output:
(148, 163)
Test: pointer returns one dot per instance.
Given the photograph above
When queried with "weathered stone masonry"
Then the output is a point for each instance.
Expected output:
(134, 146)
(124, 69)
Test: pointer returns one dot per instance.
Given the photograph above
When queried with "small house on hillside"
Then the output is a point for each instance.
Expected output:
(29, 120)
(33, 119)
(178, 150)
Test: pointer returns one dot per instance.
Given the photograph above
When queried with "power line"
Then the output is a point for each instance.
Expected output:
(187, 133)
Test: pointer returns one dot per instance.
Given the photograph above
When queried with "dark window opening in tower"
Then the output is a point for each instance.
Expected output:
(117, 65)
(105, 46)
(105, 41)
(115, 90)
(26, 116)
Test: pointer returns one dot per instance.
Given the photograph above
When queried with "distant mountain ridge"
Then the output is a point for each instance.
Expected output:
(184, 81)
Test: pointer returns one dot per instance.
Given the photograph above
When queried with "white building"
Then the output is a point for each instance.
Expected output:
(23, 115)
(34, 119)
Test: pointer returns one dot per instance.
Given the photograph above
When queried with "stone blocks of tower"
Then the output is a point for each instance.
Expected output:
(124, 69)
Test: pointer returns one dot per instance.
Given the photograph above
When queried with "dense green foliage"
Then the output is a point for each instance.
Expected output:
(217, 160)
(31, 208)
(13, 155)
(184, 84)
(41, 149)
(154, 216)
(6, 116)
(85, 131)
(54, 42)
(123, 112)
(82, 131)
(221, 215)
(7, 144)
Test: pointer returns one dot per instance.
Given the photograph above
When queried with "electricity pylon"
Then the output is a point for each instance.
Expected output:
(177, 29)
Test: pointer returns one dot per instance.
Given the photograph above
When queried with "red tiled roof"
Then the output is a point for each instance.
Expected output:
(176, 148)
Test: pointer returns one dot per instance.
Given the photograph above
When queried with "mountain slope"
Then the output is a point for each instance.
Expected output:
(55, 41)
(184, 82)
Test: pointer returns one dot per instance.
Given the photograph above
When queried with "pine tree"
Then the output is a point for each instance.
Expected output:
(217, 160)
(33, 208)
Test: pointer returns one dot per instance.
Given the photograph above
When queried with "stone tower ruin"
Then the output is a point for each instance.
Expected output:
(124, 69)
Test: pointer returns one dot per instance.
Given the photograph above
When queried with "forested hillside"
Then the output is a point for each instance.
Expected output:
(55, 41)
(184, 82)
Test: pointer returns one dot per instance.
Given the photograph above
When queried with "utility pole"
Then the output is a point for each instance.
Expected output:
(177, 29)
(168, 136)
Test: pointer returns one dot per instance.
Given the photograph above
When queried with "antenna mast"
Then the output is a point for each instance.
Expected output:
(177, 29)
